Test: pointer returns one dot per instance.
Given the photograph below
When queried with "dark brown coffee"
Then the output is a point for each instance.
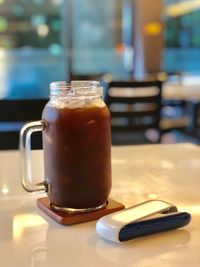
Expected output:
(77, 155)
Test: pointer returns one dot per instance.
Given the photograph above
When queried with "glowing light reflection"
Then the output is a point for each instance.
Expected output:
(5, 190)
(152, 196)
(193, 209)
(23, 221)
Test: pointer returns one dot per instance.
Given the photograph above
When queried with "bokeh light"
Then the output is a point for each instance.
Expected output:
(55, 49)
(18, 10)
(3, 24)
(43, 30)
(37, 20)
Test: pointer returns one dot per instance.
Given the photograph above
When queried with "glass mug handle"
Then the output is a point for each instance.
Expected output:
(25, 149)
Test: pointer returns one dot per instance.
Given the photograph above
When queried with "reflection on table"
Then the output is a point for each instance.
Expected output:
(168, 172)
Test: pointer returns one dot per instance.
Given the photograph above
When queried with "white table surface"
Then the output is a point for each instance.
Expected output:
(168, 172)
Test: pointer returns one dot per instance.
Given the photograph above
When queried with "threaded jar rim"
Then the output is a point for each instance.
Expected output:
(76, 89)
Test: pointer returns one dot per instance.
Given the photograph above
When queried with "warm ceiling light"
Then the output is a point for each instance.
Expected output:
(152, 28)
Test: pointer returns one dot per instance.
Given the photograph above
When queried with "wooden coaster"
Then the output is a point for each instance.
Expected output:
(68, 219)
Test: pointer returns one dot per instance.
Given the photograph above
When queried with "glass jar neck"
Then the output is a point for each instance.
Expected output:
(86, 89)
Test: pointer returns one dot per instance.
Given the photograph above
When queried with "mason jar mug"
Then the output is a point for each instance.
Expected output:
(76, 137)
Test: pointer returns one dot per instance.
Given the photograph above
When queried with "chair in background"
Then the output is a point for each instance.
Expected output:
(15, 113)
(135, 108)
(174, 116)
(174, 110)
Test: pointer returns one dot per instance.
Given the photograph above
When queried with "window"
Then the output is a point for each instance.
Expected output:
(182, 36)
(48, 40)
(31, 54)
(102, 37)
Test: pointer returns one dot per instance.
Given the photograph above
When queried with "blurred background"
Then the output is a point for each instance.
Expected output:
(47, 40)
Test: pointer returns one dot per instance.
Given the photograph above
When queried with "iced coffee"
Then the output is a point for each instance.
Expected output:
(77, 148)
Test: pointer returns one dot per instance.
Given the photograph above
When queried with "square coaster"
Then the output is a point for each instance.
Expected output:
(68, 218)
